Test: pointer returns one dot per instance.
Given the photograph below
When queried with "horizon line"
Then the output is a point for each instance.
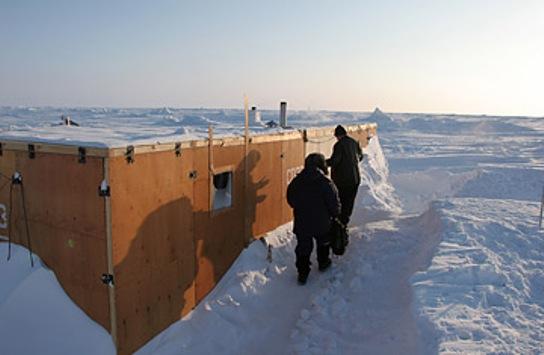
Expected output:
(266, 108)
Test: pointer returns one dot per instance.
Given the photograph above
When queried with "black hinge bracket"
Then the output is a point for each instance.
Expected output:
(129, 154)
(104, 192)
(107, 279)
(304, 136)
(16, 179)
(177, 149)
(31, 151)
(82, 155)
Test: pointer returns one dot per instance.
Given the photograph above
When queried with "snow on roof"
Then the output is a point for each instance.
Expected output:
(119, 127)
(108, 127)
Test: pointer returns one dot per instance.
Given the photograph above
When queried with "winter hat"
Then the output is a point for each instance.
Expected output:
(339, 131)
(316, 160)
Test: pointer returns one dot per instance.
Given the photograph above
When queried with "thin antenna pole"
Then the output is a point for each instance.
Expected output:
(210, 165)
(247, 226)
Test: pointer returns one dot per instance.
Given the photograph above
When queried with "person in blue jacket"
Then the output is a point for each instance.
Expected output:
(315, 202)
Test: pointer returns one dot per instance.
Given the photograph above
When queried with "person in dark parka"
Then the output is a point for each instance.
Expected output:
(314, 199)
(344, 164)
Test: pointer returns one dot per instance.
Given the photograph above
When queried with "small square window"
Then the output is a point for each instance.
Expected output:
(222, 190)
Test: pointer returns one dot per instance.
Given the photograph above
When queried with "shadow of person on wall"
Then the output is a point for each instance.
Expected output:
(155, 279)
(221, 234)
(178, 254)
(252, 190)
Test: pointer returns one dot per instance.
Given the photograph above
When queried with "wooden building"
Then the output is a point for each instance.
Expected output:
(137, 236)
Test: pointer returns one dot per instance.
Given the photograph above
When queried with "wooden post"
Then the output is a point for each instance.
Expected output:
(210, 149)
(210, 168)
(541, 209)
(109, 248)
(246, 123)
(247, 223)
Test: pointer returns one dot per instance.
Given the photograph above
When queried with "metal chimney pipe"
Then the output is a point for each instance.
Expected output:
(283, 114)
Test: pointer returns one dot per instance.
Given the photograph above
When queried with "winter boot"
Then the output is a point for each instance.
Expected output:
(303, 268)
(325, 265)
(323, 252)
(302, 278)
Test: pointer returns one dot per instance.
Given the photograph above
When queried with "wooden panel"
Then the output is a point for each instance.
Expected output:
(292, 164)
(360, 135)
(322, 140)
(43, 147)
(219, 235)
(205, 270)
(66, 221)
(153, 247)
(322, 145)
(7, 167)
(264, 187)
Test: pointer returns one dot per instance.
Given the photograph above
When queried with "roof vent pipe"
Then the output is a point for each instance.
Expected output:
(283, 114)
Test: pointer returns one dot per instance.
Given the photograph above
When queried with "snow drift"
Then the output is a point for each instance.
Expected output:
(483, 292)
(37, 317)
(376, 198)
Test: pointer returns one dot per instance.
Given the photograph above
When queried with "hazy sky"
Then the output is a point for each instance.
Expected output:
(463, 56)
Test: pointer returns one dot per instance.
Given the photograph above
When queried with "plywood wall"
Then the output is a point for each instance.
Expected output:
(169, 247)
(66, 222)
(219, 234)
(153, 246)
(7, 168)
(320, 144)
(322, 140)
(264, 187)
(292, 163)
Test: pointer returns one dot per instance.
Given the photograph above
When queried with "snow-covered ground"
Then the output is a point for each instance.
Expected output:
(445, 253)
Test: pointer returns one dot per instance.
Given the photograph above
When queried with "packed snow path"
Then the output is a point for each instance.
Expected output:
(363, 305)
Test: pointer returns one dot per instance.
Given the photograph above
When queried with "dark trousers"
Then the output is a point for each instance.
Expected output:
(347, 196)
(303, 251)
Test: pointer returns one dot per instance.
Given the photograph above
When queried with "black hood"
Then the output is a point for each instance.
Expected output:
(316, 160)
